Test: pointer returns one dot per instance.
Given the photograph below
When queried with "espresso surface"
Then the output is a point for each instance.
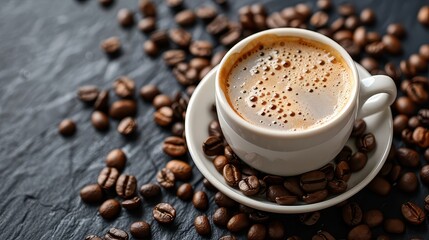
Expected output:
(289, 83)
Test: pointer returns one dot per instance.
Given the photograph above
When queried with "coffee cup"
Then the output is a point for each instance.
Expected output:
(287, 99)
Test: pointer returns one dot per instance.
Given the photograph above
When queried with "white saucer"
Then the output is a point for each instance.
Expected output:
(199, 115)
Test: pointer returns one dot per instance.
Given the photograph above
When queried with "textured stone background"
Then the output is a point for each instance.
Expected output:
(48, 48)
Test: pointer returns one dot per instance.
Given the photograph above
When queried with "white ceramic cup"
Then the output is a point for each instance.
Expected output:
(289, 153)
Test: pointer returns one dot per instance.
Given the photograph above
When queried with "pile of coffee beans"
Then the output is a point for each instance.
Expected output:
(190, 59)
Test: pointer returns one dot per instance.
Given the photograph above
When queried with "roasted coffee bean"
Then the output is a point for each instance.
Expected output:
(424, 174)
(228, 237)
(360, 232)
(161, 100)
(165, 178)
(107, 178)
(359, 128)
(238, 222)
(343, 35)
(392, 71)
(231, 37)
(366, 143)
(150, 190)
(185, 74)
(319, 19)
(147, 8)
(418, 62)
(219, 25)
(404, 106)
(286, 200)
(373, 218)
(407, 69)
(208, 185)
(131, 204)
(342, 171)
(400, 122)
(116, 234)
(417, 92)
(273, 180)
(423, 15)
(164, 213)
(213, 146)
(292, 184)
(199, 63)
(413, 213)
(336, 186)
(200, 200)
(91, 193)
(380, 186)
(100, 120)
(180, 37)
(313, 181)
(408, 182)
(351, 48)
(259, 217)
(352, 22)
(88, 93)
(202, 225)
(150, 48)
(408, 157)
(123, 108)
(323, 235)
(206, 13)
(110, 209)
(276, 230)
(217, 58)
(185, 192)
(309, 218)
(111, 46)
(185, 18)
(124, 87)
(224, 201)
(424, 51)
(395, 173)
(392, 44)
(219, 162)
(221, 217)
(178, 129)
(204, 72)
(369, 63)
(324, 5)
(93, 237)
(160, 38)
(375, 49)
(163, 116)
(357, 161)
(396, 29)
(367, 16)
(426, 203)
(337, 25)
(257, 232)
(125, 17)
(275, 191)
(181, 170)
(231, 174)
(140, 230)
(67, 127)
(394, 225)
(423, 117)
(352, 214)
(173, 57)
(201, 48)
(346, 9)
(126, 186)
(315, 196)
(276, 20)
(127, 126)
(372, 37)
(174, 146)
(328, 169)
(147, 25)
(249, 186)
(102, 101)
(214, 129)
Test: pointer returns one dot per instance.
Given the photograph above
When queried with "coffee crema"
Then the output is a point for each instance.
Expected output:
(287, 83)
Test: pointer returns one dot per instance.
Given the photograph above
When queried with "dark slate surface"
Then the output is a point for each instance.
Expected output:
(48, 49)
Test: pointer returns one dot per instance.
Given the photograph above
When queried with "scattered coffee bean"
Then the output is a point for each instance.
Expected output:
(424, 51)
(88, 93)
(164, 213)
(174, 146)
(408, 157)
(257, 232)
(373, 218)
(224, 201)
(92, 193)
(380, 186)
(221, 217)
(206, 13)
(367, 16)
(125, 17)
(180, 37)
(394, 225)
(150, 48)
(127, 126)
(319, 19)
(396, 29)
(423, 15)
(360, 232)
(161, 100)
(67, 127)
(100, 120)
(147, 25)
(147, 8)
(150, 191)
(408, 182)
(105, 3)
(163, 116)
(352, 214)
(107, 177)
(110, 209)
(173, 57)
(309, 218)
(201, 48)
(111, 46)
(426, 203)
(123, 108)
(346, 9)
(202, 225)
(392, 44)
(116, 234)
(165, 178)
(140, 230)
(324, 5)
(124, 87)
(131, 204)
(102, 101)
(185, 192)
(276, 230)
(228, 237)
(424, 174)
(218, 25)
(116, 159)
(185, 18)
(126, 186)
(413, 213)
(238, 222)
(181, 170)
(200, 200)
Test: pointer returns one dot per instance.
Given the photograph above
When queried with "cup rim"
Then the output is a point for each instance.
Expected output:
(295, 32)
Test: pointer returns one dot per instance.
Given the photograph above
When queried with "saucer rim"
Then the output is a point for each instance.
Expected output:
(268, 206)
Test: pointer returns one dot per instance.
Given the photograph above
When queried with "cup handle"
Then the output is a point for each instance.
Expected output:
(372, 86)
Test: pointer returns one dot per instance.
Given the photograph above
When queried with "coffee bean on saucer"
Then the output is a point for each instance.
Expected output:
(111, 46)
(140, 230)
(164, 213)
(276, 230)
(413, 213)
(423, 15)
(92, 193)
(165, 178)
(337, 186)
(373, 218)
(292, 184)
(202, 225)
(185, 18)
(219, 162)
(224, 201)
(173, 57)
(313, 181)
(366, 143)
(88, 93)
(275, 191)
(93, 237)
(201, 48)
(257, 231)
(424, 174)
(342, 171)
(360, 232)
(67, 127)
(107, 178)
(102, 101)
(181, 170)
(110, 209)
(116, 234)
(124, 87)
(314, 197)
(249, 186)
(131, 204)
(238, 222)
(150, 190)
(221, 217)
(309, 218)
(125, 17)
(185, 192)
(180, 37)
(147, 25)
(352, 214)
(394, 225)
(358, 161)
(367, 16)
(408, 182)
(127, 126)
(100, 120)
(147, 8)
(213, 146)
(174, 146)
(231, 174)
(359, 128)
(123, 108)
(126, 186)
